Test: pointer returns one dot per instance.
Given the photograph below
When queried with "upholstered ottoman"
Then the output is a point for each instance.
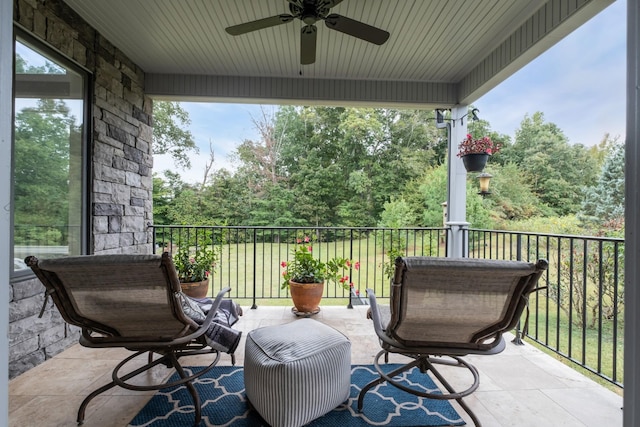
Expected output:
(297, 372)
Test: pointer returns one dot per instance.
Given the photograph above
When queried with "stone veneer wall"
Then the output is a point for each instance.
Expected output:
(121, 181)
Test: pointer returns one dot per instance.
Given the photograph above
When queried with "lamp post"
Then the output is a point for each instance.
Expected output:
(484, 179)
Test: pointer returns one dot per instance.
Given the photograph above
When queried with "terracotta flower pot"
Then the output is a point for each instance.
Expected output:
(196, 289)
(475, 162)
(306, 297)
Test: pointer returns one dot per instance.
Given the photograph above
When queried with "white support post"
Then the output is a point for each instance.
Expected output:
(631, 417)
(457, 185)
(6, 126)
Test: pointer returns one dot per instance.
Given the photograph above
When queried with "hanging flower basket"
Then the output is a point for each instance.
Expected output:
(476, 151)
(475, 162)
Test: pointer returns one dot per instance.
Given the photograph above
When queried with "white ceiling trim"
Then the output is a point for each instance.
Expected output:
(439, 53)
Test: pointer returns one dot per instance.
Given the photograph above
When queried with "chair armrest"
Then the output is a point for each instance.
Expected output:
(376, 317)
(375, 312)
(207, 321)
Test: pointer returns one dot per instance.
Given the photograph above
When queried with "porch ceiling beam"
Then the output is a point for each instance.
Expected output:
(279, 90)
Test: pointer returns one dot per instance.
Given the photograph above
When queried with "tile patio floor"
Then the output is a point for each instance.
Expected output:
(520, 387)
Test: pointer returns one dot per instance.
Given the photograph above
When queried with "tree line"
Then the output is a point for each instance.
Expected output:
(337, 166)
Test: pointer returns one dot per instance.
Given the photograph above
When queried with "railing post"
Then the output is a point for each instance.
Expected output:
(350, 305)
(459, 238)
(153, 236)
(518, 338)
(255, 267)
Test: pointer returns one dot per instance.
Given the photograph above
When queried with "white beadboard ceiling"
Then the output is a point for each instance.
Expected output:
(470, 44)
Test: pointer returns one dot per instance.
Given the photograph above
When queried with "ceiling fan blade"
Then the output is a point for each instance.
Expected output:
(356, 28)
(329, 3)
(258, 24)
(308, 35)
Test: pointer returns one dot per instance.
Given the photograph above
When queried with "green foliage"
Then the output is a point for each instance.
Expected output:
(276, 208)
(396, 214)
(512, 198)
(432, 187)
(478, 210)
(569, 224)
(23, 67)
(195, 265)
(556, 170)
(336, 166)
(304, 268)
(25, 235)
(228, 199)
(162, 198)
(170, 133)
(604, 202)
(599, 292)
(389, 267)
(44, 136)
(352, 160)
(358, 208)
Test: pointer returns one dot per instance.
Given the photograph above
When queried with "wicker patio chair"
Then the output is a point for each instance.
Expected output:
(444, 308)
(129, 301)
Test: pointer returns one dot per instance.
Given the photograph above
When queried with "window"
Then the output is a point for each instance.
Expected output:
(50, 122)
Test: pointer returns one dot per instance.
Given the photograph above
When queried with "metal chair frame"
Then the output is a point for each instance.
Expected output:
(426, 354)
(62, 279)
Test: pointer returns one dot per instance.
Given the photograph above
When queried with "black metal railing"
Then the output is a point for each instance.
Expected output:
(250, 257)
(580, 312)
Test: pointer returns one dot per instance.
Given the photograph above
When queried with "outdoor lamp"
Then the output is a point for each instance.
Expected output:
(483, 179)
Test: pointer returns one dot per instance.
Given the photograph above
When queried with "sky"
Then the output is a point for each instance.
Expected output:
(578, 84)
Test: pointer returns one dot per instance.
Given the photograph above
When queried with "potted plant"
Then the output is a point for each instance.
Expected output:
(194, 269)
(305, 275)
(476, 151)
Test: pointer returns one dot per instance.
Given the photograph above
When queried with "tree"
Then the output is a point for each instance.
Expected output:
(162, 197)
(397, 214)
(556, 170)
(228, 198)
(42, 163)
(170, 133)
(604, 202)
(432, 189)
(512, 198)
(343, 164)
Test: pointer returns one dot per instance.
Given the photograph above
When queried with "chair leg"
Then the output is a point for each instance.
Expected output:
(451, 390)
(96, 392)
(425, 365)
(85, 402)
(192, 390)
(380, 380)
(116, 381)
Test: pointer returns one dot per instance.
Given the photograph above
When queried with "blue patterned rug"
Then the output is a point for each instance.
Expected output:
(224, 403)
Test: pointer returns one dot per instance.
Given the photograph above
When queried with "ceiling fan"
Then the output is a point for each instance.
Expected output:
(309, 12)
